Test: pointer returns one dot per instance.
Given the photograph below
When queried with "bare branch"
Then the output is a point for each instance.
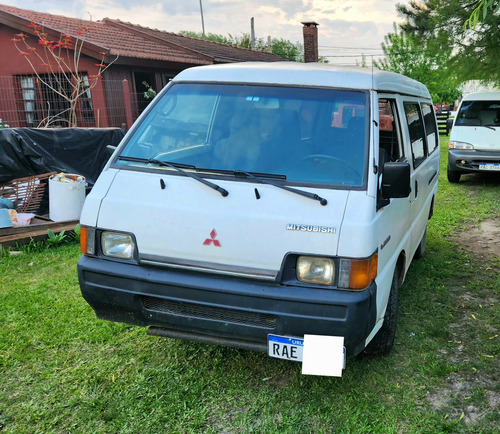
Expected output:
(61, 60)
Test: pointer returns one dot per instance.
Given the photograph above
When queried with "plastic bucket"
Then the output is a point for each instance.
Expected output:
(66, 197)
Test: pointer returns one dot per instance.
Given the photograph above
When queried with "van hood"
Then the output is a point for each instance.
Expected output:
(482, 138)
(249, 232)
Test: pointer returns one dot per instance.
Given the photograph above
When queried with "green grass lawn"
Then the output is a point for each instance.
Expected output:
(63, 370)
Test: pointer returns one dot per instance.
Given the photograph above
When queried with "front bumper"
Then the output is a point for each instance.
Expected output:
(464, 160)
(222, 310)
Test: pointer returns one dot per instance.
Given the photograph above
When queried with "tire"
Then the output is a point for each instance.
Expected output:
(383, 341)
(419, 253)
(453, 176)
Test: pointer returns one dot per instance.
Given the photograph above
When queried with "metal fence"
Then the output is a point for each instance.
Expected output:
(26, 101)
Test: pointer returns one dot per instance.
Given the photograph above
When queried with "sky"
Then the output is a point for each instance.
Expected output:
(347, 29)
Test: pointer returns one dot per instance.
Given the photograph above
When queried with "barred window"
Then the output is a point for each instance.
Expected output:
(45, 100)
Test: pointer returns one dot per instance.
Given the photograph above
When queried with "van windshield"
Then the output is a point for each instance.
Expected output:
(479, 113)
(307, 136)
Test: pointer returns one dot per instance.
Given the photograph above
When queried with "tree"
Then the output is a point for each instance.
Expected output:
(485, 6)
(287, 49)
(281, 47)
(364, 64)
(442, 26)
(209, 37)
(59, 68)
(405, 56)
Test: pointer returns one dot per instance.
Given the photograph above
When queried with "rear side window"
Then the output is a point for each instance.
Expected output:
(430, 127)
(417, 132)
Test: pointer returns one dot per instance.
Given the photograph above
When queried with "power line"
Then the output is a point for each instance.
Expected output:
(349, 48)
(351, 45)
(354, 55)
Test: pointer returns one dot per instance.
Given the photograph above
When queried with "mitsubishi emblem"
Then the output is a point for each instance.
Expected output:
(212, 239)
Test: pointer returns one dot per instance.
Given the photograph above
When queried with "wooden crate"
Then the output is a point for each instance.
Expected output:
(26, 193)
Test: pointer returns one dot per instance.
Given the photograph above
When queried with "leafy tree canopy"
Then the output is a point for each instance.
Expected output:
(281, 47)
(481, 11)
(405, 56)
(444, 27)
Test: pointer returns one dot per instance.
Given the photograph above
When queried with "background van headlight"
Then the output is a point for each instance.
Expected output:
(460, 145)
(116, 245)
(313, 269)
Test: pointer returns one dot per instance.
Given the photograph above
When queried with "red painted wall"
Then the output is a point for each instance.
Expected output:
(12, 63)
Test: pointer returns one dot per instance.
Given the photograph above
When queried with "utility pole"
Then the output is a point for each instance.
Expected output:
(202, 21)
(252, 33)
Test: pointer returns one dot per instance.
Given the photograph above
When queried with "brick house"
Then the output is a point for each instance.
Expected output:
(142, 55)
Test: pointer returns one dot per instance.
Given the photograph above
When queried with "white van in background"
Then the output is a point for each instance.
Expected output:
(475, 136)
(255, 204)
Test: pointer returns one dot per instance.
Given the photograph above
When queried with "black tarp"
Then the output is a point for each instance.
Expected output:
(33, 151)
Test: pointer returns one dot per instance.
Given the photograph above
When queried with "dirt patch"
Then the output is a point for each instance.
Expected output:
(471, 394)
(457, 395)
(482, 240)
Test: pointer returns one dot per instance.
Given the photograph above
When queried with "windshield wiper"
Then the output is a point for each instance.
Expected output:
(307, 194)
(179, 167)
(232, 172)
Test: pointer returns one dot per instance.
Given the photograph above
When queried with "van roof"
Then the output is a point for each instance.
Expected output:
(483, 96)
(305, 74)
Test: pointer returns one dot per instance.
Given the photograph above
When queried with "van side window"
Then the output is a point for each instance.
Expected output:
(430, 127)
(417, 132)
(389, 132)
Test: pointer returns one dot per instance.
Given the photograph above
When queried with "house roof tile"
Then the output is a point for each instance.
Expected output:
(221, 53)
(133, 41)
(118, 42)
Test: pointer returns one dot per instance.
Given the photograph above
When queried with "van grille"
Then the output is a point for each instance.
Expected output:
(210, 312)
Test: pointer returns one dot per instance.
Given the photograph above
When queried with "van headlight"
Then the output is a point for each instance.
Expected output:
(460, 145)
(314, 269)
(117, 245)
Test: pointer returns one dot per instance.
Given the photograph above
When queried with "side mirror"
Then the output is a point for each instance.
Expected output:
(396, 180)
(449, 124)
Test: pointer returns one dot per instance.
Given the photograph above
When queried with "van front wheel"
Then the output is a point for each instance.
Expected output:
(383, 341)
(452, 175)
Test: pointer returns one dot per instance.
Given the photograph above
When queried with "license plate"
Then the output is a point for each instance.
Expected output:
(489, 166)
(283, 347)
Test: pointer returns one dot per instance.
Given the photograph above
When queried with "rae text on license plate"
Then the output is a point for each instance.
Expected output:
(283, 347)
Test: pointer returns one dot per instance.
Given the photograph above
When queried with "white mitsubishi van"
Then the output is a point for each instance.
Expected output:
(254, 204)
(475, 137)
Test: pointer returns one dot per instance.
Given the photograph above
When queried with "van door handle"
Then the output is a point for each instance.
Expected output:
(416, 188)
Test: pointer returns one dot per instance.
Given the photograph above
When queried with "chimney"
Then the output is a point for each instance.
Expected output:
(310, 31)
